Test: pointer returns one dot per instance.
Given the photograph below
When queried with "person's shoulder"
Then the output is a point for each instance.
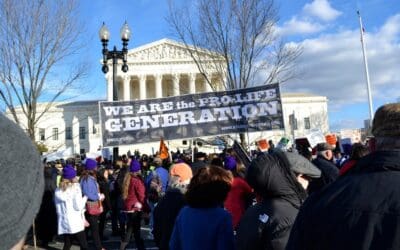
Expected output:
(220, 211)
(161, 170)
(240, 181)
(137, 179)
(185, 210)
(76, 185)
(58, 191)
(344, 189)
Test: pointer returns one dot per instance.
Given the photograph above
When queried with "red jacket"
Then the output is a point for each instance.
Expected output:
(237, 199)
(136, 195)
(347, 166)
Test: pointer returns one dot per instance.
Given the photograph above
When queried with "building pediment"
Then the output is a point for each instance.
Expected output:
(165, 50)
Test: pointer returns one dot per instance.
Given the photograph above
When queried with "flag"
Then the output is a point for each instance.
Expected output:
(163, 150)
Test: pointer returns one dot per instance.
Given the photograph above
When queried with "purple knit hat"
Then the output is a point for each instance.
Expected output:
(90, 164)
(230, 163)
(135, 166)
(68, 172)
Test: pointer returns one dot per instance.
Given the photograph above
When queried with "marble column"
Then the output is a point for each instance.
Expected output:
(127, 88)
(142, 87)
(158, 86)
(192, 83)
(75, 130)
(109, 88)
(208, 86)
(175, 79)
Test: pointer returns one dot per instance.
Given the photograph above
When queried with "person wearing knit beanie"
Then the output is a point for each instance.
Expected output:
(133, 195)
(69, 172)
(90, 164)
(90, 188)
(21, 184)
(230, 163)
(169, 206)
(134, 166)
(70, 207)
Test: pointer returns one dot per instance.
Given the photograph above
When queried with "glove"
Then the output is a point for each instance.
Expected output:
(102, 196)
(138, 205)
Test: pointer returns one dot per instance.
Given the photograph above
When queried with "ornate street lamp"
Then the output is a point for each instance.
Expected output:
(115, 54)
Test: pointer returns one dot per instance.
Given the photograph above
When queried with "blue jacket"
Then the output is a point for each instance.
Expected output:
(202, 228)
(90, 188)
(163, 174)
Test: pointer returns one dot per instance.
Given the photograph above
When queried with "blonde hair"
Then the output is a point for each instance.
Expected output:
(66, 183)
(125, 185)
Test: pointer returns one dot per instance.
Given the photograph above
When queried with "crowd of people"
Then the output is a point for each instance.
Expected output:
(332, 199)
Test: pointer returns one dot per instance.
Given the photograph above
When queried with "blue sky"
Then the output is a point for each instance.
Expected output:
(328, 31)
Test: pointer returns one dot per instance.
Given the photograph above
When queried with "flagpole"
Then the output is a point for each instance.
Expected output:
(169, 153)
(366, 69)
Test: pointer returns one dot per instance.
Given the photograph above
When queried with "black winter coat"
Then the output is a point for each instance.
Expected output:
(329, 173)
(252, 233)
(104, 187)
(360, 210)
(267, 225)
(165, 214)
(197, 165)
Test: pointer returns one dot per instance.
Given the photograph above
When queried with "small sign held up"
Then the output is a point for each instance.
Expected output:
(315, 136)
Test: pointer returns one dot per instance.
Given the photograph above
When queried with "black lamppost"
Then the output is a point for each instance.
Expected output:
(115, 54)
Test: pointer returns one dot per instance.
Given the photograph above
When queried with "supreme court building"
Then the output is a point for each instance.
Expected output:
(162, 69)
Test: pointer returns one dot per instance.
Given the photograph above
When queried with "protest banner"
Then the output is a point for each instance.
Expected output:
(61, 154)
(187, 116)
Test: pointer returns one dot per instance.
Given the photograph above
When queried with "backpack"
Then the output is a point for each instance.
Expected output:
(154, 192)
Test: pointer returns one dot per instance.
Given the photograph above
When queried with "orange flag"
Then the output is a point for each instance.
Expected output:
(163, 150)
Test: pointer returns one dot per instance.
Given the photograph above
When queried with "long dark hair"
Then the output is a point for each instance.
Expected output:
(86, 173)
(209, 187)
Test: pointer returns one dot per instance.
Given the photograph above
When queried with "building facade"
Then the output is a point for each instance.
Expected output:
(162, 69)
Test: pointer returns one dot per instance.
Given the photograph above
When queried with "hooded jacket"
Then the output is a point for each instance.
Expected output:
(357, 211)
(329, 173)
(267, 225)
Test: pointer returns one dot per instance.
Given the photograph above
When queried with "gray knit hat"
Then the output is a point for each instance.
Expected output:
(21, 183)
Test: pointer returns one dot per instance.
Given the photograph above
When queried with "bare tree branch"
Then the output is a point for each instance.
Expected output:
(36, 40)
(241, 34)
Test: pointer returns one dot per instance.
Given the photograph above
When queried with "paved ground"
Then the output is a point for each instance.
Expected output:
(112, 243)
